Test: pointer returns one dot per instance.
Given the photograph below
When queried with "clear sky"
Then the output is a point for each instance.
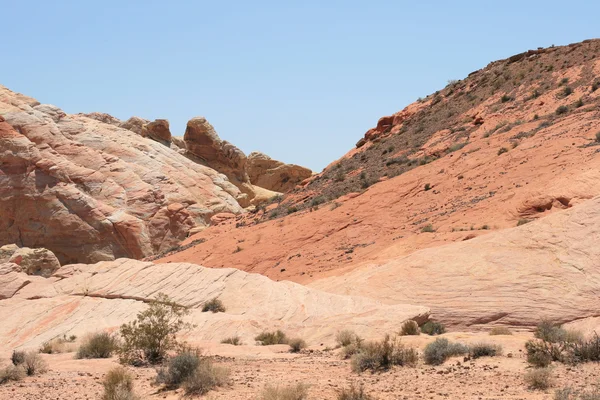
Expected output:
(299, 80)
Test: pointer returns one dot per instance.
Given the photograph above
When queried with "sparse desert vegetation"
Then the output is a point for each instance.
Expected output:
(98, 345)
(270, 338)
(213, 305)
(378, 356)
(441, 349)
(291, 392)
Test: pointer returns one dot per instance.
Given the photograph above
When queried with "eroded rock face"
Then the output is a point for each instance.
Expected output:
(90, 191)
(103, 117)
(274, 175)
(30, 261)
(202, 140)
(108, 294)
(134, 124)
(157, 130)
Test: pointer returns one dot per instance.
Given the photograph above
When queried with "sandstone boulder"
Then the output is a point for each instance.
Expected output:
(31, 261)
(103, 117)
(134, 124)
(274, 175)
(157, 130)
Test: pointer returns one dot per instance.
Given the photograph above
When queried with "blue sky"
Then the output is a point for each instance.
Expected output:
(299, 80)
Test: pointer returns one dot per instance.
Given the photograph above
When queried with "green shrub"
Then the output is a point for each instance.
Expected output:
(205, 378)
(296, 345)
(502, 150)
(118, 385)
(549, 332)
(567, 91)
(98, 345)
(12, 373)
(541, 354)
(214, 305)
(17, 357)
(153, 333)
(437, 352)
(33, 364)
(234, 340)
(433, 328)
(294, 392)
(562, 110)
(539, 378)
(586, 350)
(179, 368)
(500, 330)
(270, 338)
(428, 228)
(377, 356)
(484, 350)
(346, 337)
(410, 328)
(353, 393)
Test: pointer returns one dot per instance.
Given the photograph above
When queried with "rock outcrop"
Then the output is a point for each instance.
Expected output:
(30, 261)
(134, 124)
(103, 296)
(90, 191)
(157, 130)
(274, 175)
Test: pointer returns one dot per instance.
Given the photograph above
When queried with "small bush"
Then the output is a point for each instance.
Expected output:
(541, 354)
(350, 350)
(428, 228)
(506, 98)
(598, 137)
(11, 373)
(33, 364)
(567, 91)
(353, 394)
(98, 345)
(153, 333)
(571, 394)
(437, 352)
(549, 332)
(410, 328)
(523, 221)
(539, 378)
(17, 357)
(346, 337)
(296, 345)
(427, 187)
(433, 328)
(214, 305)
(377, 356)
(562, 110)
(205, 378)
(502, 150)
(484, 350)
(295, 392)
(57, 345)
(118, 385)
(179, 368)
(500, 330)
(579, 103)
(270, 338)
(595, 86)
(586, 350)
(234, 340)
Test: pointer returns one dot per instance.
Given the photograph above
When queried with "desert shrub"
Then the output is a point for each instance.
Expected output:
(579, 103)
(506, 98)
(523, 221)
(595, 86)
(585, 350)
(427, 187)
(353, 393)
(214, 305)
(296, 345)
(433, 328)
(441, 349)
(502, 150)
(541, 353)
(571, 394)
(549, 332)
(98, 345)
(485, 350)
(500, 330)
(294, 392)
(539, 378)
(269, 338)
(33, 364)
(58, 345)
(17, 357)
(179, 368)
(234, 340)
(567, 91)
(562, 110)
(346, 337)
(410, 328)
(377, 356)
(428, 228)
(598, 137)
(205, 378)
(350, 350)
(118, 385)
(153, 332)
(11, 373)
